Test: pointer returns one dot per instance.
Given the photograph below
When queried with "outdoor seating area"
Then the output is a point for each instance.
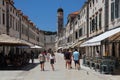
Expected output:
(106, 64)
(14, 60)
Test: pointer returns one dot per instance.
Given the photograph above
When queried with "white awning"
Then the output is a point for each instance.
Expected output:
(76, 44)
(36, 46)
(60, 47)
(28, 43)
(11, 41)
(97, 40)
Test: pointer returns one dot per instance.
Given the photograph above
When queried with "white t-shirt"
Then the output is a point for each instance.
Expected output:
(52, 57)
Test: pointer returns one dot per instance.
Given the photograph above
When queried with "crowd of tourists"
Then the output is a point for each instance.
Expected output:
(69, 56)
(44, 56)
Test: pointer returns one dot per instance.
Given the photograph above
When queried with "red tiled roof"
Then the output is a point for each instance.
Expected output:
(73, 14)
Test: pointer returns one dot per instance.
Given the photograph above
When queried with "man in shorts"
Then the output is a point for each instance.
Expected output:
(76, 56)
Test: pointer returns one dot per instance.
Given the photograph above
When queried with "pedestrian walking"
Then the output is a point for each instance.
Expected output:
(52, 60)
(67, 57)
(76, 56)
(32, 56)
(42, 61)
(45, 54)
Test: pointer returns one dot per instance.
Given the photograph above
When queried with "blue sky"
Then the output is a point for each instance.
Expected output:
(43, 13)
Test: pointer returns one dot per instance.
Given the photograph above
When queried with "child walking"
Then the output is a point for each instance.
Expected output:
(52, 60)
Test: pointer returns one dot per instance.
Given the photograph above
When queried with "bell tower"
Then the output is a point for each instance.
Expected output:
(59, 22)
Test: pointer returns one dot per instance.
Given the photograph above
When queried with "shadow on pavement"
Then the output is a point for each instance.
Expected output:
(25, 67)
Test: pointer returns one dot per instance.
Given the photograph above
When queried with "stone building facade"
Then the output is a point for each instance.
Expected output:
(14, 23)
(95, 28)
(50, 40)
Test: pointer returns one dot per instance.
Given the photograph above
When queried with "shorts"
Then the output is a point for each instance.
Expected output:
(51, 61)
(68, 60)
(41, 62)
(76, 61)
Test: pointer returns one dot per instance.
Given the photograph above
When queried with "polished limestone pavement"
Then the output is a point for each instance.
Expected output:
(61, 73)
(33, 72)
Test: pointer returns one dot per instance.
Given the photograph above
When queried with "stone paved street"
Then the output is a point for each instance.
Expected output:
(60, 73)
